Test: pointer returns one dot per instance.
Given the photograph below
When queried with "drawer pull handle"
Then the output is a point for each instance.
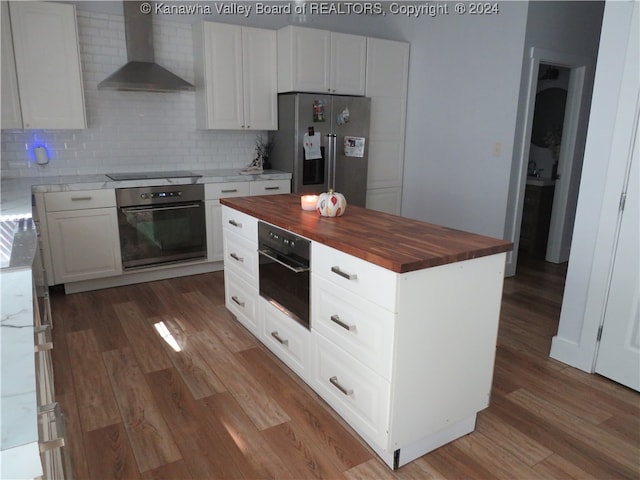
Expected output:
(235, 224)
(235, 299)
(236, 257)
(335, 383)
(272, 188)
(348, 276)
(276, 335)
(81, 199)
(231, 190)
(336, 319)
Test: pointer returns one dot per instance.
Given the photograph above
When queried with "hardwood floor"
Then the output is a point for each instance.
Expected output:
(224, 407)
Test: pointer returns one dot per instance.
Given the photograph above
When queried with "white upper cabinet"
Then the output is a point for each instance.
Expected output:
(260, 78)
(319, 61)
(47, 62)
(387, 74)
(348, 63)
(236, 77)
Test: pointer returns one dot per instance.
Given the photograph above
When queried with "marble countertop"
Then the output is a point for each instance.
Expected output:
(15, 193)
(19, 454)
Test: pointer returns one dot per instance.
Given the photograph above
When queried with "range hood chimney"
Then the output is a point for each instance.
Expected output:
(141, 73)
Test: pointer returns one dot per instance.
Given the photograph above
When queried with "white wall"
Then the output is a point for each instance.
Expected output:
(464, 79)
(608, 141)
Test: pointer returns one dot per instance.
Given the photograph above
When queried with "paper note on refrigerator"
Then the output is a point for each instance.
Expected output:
(312, 146)
(354, 146)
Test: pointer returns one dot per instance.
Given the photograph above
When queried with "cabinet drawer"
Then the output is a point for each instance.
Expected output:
(240, 224)
(79, 200)
(270, 187)
(241, 300)
(213, 191)
(358, 394)
(286, 338)
(356, 325)
(370, 281)
(241, 257)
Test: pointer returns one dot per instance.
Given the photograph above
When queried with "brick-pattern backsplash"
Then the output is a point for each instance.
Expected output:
(129, 131)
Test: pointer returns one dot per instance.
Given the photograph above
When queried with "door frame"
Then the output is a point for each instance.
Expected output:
(570, 157)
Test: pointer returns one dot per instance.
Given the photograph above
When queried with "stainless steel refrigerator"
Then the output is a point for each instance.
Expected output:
(323, 140)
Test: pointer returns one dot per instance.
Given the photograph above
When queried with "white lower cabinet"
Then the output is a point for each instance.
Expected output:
(84, 244)
(356, 392)
(289, 340)
(354, 324)
(270, 187)
(241, 299)
(213, 192)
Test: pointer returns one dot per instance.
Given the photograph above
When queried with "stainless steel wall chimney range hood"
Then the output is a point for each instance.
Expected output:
(141, 73)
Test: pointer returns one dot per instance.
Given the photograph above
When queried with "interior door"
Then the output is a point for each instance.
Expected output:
(619, 351)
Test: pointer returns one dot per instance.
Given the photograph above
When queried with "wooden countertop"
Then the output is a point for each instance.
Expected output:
(396, 243)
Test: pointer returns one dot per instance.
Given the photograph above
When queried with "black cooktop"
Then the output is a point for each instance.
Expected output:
(152, 175)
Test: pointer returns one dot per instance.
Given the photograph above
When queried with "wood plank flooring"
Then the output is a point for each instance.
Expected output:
(219, 405)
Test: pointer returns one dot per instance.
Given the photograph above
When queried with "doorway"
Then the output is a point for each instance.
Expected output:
(565, 143)
(544, 159)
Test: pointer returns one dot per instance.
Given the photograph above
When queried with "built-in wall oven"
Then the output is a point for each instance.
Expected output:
(283, 271)
(160, 225)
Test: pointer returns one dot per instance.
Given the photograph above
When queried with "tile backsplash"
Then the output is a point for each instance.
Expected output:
(129, 131)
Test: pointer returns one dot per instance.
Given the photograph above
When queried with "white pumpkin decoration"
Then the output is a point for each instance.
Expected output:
(331, 204)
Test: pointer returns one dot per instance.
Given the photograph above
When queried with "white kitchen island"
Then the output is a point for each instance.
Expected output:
(421, 303)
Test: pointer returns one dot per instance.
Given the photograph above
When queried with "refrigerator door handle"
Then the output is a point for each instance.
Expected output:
(331, 160)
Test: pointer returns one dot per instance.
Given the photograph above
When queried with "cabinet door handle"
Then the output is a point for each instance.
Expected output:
(344, 390)
(348, 276)
(336, 319)
(235, 299)
(233, 190)
(272, 188)
(81, 199)
(280, 340)
(235, 224)
(236, 257)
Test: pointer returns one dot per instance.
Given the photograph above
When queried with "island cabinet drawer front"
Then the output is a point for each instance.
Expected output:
(214, 191)
(358, 394)
(370, 281)
(356, 325)
(79, 200)
(241, 257)
(241, 300)
(240, 224)
(270, 187)
(286, 338)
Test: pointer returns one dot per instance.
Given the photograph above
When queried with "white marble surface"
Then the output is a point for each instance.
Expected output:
(18, 400)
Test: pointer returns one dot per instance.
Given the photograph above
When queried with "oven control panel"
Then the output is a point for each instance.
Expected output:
(154, 195)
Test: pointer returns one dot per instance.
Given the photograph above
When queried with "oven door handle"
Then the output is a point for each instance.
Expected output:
(269, 254)
(157, 209)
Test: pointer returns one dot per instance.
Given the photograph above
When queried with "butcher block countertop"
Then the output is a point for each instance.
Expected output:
(392, 242)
